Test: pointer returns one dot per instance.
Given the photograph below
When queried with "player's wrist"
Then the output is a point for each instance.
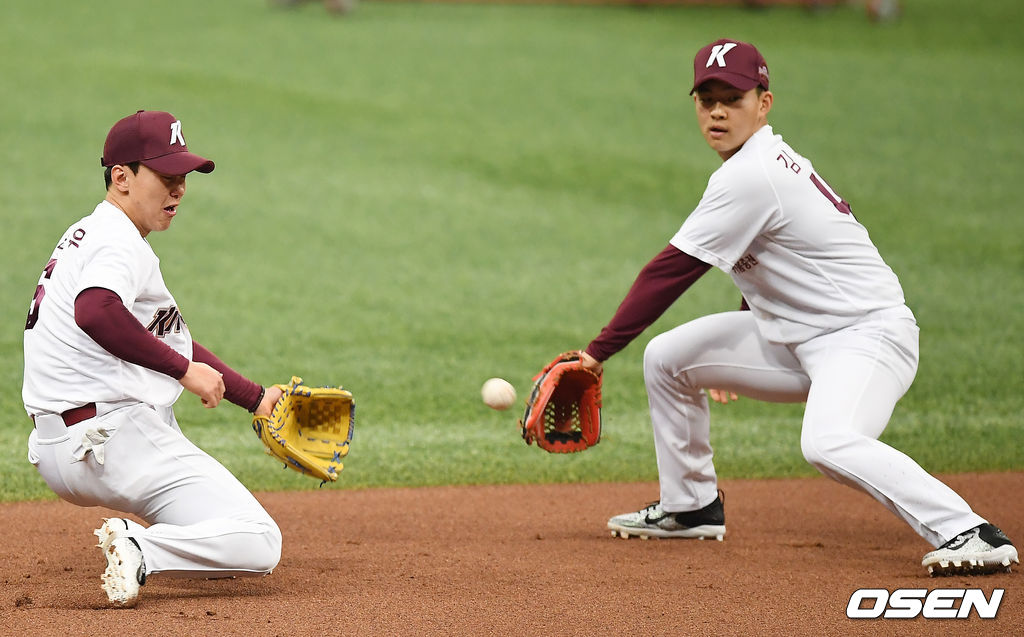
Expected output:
(259, 401)
(591, 362)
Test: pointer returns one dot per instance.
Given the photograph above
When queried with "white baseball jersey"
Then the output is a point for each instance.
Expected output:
(791, 244)
(64, 367)
(132, 457)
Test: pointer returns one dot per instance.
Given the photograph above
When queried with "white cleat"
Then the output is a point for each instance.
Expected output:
(978, 551)
(653, 522)
(126, 569)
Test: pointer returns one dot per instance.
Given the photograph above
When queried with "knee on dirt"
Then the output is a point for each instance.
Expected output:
(263, 550)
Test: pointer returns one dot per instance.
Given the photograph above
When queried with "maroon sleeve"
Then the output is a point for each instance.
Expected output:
(657, 287)
(101, 314)
(237, 388)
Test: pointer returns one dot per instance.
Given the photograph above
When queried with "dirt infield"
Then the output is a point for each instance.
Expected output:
(519, 560)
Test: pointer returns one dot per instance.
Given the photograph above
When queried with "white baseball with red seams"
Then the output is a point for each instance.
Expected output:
(498, 393)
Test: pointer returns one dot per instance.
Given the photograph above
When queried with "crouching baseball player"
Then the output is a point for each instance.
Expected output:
(107, 353)
(827, 325)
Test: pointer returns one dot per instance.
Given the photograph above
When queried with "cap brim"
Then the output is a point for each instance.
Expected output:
(179, 164)
(741, 82)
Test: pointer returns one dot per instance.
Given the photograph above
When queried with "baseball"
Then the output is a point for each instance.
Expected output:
(498, 393)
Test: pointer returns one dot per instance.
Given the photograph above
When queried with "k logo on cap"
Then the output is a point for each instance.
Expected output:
(718, 54)
(736, 63)
(176, 132)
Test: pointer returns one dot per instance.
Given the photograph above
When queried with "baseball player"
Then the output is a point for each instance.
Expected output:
(823, 321)
(108, 352)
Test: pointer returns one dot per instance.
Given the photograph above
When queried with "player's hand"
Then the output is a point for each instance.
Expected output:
(205, 382)
(270, 398)
(722, 396)
(591, 363)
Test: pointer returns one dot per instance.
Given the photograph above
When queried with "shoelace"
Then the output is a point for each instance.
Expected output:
(651, 507)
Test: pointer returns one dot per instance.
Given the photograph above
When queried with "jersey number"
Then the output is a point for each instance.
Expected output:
(819, 183)
(37, 298)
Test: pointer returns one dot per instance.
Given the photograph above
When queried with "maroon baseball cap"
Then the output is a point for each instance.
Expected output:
(153, 138)
(737, 63)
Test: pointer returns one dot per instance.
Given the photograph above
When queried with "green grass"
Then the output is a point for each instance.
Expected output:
(418, 197)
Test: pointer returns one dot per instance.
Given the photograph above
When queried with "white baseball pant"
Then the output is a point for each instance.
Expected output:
(202, 521)
(850, 379)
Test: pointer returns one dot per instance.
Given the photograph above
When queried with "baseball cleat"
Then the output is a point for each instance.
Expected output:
(654, 522)
(126, 569)
(979, 551)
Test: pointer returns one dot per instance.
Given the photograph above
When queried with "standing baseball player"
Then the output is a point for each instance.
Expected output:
(107, 353)
(823, 321)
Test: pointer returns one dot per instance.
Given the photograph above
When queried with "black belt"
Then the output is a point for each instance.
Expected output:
(77, 414)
